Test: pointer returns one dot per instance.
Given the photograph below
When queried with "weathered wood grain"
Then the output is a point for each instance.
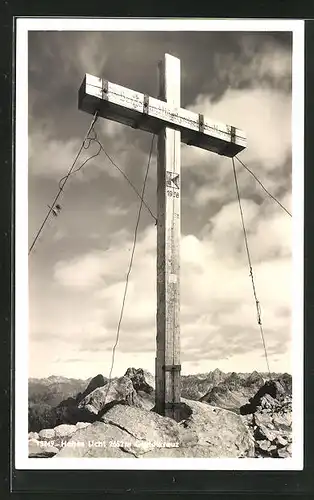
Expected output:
(168, 247)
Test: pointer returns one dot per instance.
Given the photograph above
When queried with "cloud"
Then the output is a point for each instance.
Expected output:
(90, 270)
(256, 98)
(60, 234)
(246, 82)
(51, 158)
(265, 117)
(266, 67)
(80, 273)
(116, 211)
(80, 51)
(218, 315)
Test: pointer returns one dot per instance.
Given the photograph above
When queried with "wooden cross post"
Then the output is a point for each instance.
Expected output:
(173, 125)
(167, 367)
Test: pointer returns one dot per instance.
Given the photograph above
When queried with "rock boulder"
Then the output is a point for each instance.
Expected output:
(46, 434)
(221, 431)
(98, 381)
(64, 430)
(82, 425)
(268, 417)
(103, 398)
(130, 431)
(33, 435)
(138, 378)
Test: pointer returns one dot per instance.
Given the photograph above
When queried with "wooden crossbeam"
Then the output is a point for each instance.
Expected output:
(138, 110)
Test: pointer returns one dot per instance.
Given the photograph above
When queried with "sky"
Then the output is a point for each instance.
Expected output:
(78, 267)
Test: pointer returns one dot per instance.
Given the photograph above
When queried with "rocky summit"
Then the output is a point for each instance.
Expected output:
(268, 416)
(236, 416)
(132, 432)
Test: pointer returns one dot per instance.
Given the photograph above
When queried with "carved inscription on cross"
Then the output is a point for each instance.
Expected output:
(173, 125)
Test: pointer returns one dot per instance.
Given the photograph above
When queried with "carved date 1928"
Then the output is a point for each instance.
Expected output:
(172, 193)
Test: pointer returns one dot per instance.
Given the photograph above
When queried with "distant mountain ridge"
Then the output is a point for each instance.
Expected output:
(52, 390)
(233, 408)
(228, 390)
(225, 390)
(56, 379)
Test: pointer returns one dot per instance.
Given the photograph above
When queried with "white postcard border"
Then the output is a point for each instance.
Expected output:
(23, 25)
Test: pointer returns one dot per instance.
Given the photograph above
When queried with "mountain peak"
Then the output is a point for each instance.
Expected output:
(217, 371)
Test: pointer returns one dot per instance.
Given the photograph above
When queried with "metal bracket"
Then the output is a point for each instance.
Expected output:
(171, 368)
(225, 151)
(171, 405)
(145, 112)
(201, 122)
(146, 104)
(232, 134)
(105, 90)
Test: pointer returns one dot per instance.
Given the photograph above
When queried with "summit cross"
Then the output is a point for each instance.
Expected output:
(173, 125)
